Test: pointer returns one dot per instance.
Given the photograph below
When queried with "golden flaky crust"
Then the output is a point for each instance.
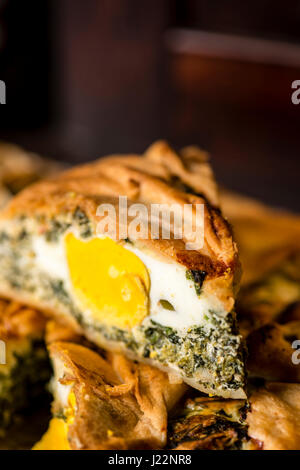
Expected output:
(119, 404)
(206, 423)
(18, 321)
(59, 332)
(268, 305)
(270, 352)
(275, 416)
(268, 421)
(266, 236)
(159, 176)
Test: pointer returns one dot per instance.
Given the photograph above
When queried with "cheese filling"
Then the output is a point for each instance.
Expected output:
(132, 299)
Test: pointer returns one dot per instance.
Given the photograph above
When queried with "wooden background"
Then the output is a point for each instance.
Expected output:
(89, 77)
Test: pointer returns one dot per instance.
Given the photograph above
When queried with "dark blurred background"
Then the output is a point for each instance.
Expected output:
(85, 78)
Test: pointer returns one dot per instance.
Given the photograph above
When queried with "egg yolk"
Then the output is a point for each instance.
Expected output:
(109, 280)
(55, 438)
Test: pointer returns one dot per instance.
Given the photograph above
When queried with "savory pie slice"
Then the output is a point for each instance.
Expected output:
(150, 298)
(24, 365)
(109, 403)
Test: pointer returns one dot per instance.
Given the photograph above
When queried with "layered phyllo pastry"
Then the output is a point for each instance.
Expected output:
(150, 297)
(106, 402)
(274, 298)
(24, 364)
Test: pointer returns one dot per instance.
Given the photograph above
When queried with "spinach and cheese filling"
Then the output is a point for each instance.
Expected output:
(126, 297)
(101, 400)
(25, 368)
(156, 298)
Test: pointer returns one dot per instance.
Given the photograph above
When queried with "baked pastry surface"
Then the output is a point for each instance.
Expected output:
(151, 299)
(107, 402)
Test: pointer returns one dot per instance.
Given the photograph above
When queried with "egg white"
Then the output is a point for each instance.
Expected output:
(167, 281)
(60, 391)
